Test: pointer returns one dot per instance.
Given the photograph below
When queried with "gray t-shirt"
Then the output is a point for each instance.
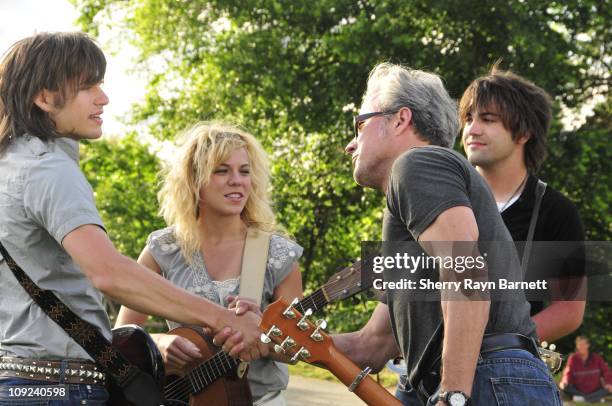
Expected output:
(264, 375)
(424, 182)
(43, 197)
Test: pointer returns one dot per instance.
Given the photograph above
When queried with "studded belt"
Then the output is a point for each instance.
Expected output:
(74, 371)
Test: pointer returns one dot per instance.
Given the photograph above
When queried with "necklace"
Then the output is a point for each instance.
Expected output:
(518, 189)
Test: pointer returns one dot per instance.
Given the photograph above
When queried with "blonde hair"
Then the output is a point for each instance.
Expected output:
(202, 148)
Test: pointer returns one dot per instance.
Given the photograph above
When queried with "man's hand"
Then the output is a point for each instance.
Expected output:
(228, 340)
(245, 334)
(242, 305)
(373, 345)
(608, 387)
(562, 385)
(177, 352)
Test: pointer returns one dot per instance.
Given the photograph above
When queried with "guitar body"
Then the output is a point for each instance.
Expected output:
(230, 390)
(138, 348)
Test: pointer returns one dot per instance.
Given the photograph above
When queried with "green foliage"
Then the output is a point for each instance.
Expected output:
(579, 165)
(124, 176)
(292, 72)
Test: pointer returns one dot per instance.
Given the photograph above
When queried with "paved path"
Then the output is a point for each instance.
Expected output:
(314, 392)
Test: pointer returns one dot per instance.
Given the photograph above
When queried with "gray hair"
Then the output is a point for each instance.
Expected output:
(434, 112)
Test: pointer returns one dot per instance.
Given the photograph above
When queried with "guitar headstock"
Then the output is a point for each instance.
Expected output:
(295, 335)
(344, 283)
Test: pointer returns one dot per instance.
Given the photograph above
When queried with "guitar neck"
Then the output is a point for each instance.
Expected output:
(368, 390)
(217, 366)
(315, 301)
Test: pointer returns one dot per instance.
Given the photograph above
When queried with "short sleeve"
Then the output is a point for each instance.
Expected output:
(425, 182)
(58, 197)
(283, 253)
(163, 248)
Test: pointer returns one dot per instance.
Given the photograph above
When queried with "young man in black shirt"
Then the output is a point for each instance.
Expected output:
(505, 119)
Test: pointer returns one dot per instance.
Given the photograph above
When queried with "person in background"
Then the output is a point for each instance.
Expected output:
(505, 120)
(586, 376)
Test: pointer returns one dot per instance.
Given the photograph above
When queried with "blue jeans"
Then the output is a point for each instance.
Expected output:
(78, 394)
(405, 394)
(511, 378)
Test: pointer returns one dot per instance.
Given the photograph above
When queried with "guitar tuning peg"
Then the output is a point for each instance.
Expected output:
(289, 313)
(274, 331)
(287, 343)
(303, 323)
(316, 335)
(544, 344)
(278, 349)
(303, 353)
(552, 347)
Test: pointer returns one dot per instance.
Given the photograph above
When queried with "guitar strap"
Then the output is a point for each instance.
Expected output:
(138, 387)
(539, 194)
(254, 264)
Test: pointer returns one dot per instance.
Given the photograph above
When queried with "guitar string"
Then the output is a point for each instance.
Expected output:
(218, 365)
(177, 390)
(175, 387)
(222, 359)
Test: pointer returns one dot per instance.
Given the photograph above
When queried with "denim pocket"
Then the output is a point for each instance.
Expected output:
(513, 391)
(92, 394)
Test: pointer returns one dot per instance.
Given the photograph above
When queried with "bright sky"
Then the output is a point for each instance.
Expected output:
(22, 18)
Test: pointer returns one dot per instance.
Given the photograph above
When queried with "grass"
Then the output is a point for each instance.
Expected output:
(386, 378)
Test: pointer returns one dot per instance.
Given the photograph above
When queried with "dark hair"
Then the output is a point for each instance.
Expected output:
(59, 62)
(581, 338)
(524, 108)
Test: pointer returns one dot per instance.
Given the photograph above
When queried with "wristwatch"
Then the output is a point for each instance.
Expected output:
(454, 398)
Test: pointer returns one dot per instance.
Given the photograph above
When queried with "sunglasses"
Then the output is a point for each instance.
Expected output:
(360, 119)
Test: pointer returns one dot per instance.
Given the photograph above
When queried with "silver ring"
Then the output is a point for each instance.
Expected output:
(214, 342)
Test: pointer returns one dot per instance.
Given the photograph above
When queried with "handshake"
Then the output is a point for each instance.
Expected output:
(238, 334)
(240, 337)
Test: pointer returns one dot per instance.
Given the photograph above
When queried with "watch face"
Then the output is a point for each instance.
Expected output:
(457, 399)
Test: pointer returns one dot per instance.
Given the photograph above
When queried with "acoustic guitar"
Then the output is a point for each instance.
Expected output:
(295, 335)
(221, 379)
(139, 349)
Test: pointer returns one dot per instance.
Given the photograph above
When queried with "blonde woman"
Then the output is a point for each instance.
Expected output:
(216, 190)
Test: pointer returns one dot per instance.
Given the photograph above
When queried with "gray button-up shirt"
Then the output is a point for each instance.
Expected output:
(43, 197)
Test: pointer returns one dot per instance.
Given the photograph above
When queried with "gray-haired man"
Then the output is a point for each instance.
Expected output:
(404, 132)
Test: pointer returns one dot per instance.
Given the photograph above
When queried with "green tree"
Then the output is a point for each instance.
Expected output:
(123, 174)
(292, 72)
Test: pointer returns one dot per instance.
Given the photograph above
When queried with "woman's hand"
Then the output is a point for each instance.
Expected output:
(177, 352)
